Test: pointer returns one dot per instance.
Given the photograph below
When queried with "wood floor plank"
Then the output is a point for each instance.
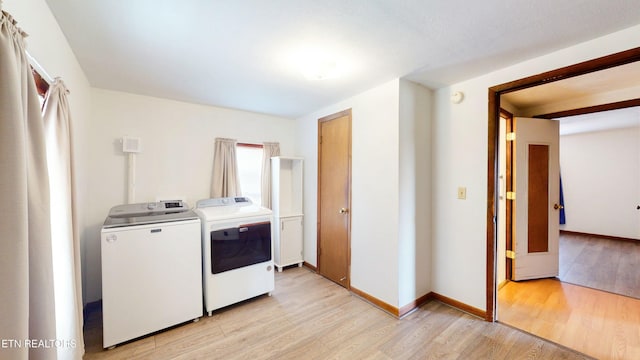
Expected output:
(600, 263)
(601, 324)
(309, 317)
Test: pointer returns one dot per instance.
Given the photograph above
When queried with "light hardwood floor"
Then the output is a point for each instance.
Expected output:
(309, 317)
(606, 264)
(597, 323)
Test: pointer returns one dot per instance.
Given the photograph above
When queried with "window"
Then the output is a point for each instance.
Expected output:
(249, 157)
(41, 85)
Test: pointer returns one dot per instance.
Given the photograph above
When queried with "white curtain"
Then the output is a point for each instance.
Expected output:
(26, 269)
(268, 150)
(65, 239)
(225, 181)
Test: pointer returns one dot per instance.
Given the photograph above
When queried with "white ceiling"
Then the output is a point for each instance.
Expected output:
(620, 82)
(627, 118)
(242, 54)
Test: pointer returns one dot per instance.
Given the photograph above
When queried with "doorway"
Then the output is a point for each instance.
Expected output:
(600, 159)
(606, 62)
(334, 198)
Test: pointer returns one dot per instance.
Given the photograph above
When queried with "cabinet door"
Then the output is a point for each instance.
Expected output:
(291, 240)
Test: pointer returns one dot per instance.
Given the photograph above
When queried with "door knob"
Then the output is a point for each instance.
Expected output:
(556, 206)
(343, 211)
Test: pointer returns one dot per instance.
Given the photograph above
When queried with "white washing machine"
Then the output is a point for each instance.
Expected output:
(151, 269)
(237, 250)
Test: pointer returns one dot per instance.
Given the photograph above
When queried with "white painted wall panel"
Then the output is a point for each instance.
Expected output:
(460, 158)
(601, 181)
(374, 210)
(414, 192)
(176, 159)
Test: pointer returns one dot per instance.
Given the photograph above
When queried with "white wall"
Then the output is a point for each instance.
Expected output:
(374, 188)
(460, 159)
(387, 261)
(176, 158)
(414, 245)
(177, 137)
(48, 45)
(601, 181)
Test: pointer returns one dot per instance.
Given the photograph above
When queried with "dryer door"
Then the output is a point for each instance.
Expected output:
(240, 246)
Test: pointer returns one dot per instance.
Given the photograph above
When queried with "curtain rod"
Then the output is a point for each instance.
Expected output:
(36, 65)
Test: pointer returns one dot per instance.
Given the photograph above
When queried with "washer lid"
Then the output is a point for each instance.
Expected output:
(148, 213)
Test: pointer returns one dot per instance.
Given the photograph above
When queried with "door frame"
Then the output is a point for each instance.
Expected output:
(493, 123)
(321, 120)
(508, 187)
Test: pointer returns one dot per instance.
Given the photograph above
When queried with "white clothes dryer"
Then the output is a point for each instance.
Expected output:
(237, 251)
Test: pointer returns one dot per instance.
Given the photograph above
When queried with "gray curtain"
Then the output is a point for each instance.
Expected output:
(64, 231)
(26, 270)
(225, 181)
(268, 150)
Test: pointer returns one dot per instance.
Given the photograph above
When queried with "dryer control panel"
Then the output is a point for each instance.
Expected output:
(224, 201)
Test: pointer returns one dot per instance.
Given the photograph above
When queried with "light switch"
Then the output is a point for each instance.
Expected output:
(462, 192)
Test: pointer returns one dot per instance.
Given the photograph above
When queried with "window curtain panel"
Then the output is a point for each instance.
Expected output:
(64, 231)
(268, 150)
(225, 181)
(26, 270)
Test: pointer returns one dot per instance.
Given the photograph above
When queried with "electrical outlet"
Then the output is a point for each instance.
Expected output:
(462, 192)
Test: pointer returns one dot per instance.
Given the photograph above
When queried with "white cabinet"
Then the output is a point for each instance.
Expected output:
(288, 242)
(286, 204)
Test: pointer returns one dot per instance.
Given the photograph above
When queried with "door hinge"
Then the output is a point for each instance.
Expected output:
(511, 195)
(511, 254)
(511, 136)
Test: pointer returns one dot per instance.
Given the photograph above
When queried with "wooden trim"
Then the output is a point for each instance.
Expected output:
(585, 67)
(493, 137)
(310, 267)
(494, 92)
(459, 305)
(259, 146)
(377, 302)
(509, 215)
(342, 113)
(406, 309)
(599, 236)
(591, 109)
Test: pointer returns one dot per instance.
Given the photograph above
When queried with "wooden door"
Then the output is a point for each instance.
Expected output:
(334, 197)
(536, 204)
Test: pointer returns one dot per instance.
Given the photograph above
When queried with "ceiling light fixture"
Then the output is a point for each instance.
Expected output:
(316, 63)
(320, 70)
